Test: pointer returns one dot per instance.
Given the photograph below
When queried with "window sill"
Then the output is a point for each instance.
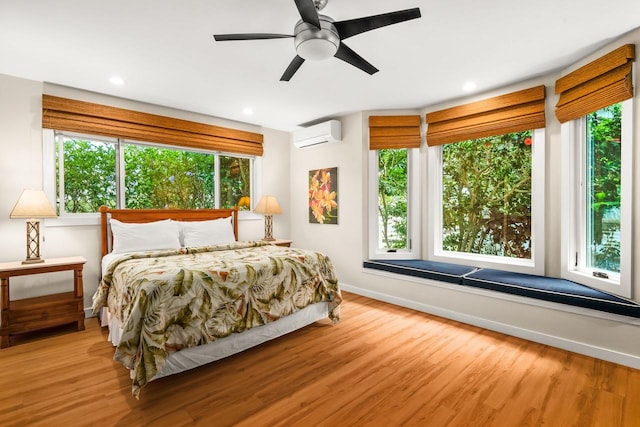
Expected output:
(595, 282)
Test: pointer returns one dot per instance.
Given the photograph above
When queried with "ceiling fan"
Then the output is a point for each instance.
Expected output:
(319, 37)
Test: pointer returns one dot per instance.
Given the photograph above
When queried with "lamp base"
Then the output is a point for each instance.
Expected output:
(33, 242)
(268, 228)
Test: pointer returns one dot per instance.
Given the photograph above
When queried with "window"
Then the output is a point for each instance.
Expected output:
(597, 154)
(93, 171)
(394, 143)
(487, 204)
(394, 204)
(486, 182)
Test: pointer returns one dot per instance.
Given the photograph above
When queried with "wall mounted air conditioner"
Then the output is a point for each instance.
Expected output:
(321, 133)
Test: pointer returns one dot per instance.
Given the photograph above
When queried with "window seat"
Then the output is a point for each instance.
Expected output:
(445, 272)
(540, 287)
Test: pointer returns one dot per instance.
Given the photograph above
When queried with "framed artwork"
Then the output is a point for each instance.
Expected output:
(323, 196)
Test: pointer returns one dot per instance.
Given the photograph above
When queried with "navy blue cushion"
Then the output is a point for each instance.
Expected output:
(442, 271)
(551, 289)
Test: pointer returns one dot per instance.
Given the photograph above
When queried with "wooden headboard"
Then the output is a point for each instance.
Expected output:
(149, 215)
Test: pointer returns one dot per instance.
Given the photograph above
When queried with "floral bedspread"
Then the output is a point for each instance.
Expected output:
(174, 299)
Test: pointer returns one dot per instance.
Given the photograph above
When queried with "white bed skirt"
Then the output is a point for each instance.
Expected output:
(190, 358)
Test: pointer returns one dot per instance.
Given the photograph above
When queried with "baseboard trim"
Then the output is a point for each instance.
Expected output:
(625, 359)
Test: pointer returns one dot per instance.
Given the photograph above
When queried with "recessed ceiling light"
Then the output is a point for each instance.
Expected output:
(247, 111)
(116, 80)
(469, 86)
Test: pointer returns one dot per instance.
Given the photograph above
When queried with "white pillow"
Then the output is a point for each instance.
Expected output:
(207, 233)
(135, 237)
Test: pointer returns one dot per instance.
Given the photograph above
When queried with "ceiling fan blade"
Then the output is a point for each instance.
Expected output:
(251, 36)
(308, 12)
(356, 26)
(291, 69)
(347, 55)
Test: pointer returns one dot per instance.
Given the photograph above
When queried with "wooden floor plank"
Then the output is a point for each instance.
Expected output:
(382, 365)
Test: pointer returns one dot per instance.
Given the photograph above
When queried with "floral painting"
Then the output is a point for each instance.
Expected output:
(323, 196)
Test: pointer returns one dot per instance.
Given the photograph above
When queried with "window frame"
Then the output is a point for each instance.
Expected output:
(413, 208)
(573, 220)
(72, 219)
(535, 265)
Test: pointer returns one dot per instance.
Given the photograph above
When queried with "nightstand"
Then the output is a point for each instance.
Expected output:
(280, 242)
(31, 314)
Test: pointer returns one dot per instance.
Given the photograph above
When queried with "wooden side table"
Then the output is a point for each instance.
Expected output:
(280, 242)
(31, 314)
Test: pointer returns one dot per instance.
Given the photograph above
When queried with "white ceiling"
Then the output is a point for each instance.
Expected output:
(165, 52)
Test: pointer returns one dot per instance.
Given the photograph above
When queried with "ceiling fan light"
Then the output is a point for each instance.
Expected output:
(316, 43)
(317, 49)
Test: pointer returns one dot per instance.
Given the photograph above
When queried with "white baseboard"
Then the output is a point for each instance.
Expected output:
(625, 359)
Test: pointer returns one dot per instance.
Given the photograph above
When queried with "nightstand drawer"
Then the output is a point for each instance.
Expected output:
(43, 312)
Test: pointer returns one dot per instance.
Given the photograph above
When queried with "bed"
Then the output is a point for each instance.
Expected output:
(178, 290)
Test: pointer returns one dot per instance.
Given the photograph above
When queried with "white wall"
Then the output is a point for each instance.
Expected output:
(347, 235)
(345, 243)
(275, 181)
(21, 167)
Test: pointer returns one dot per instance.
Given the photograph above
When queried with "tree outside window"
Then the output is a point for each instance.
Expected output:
(160, 178)
(392, 198)
(89, 175)
(235, 183)
(486, 196)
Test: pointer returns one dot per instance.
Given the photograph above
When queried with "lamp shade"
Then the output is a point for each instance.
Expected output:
(268, 205)
(33, 204)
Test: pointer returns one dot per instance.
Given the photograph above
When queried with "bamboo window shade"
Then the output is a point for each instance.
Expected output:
(78, 116)
(394, 132)
(600, 83)
(512, 112)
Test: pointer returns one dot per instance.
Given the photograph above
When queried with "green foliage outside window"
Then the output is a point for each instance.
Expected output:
(604, 157)
(158, 178)
(154, 177)
(486, 196)
(235, 180)
(90, 175)
(392, 198)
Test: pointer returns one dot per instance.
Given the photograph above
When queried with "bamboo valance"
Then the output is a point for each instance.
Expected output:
(78, 116)
(513, 112)
(600, 83)
(394, 132)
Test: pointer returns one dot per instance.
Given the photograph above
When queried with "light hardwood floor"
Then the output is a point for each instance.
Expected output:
(382, 365)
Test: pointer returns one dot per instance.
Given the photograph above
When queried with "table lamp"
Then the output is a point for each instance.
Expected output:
(32, 205)
(268, 205)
